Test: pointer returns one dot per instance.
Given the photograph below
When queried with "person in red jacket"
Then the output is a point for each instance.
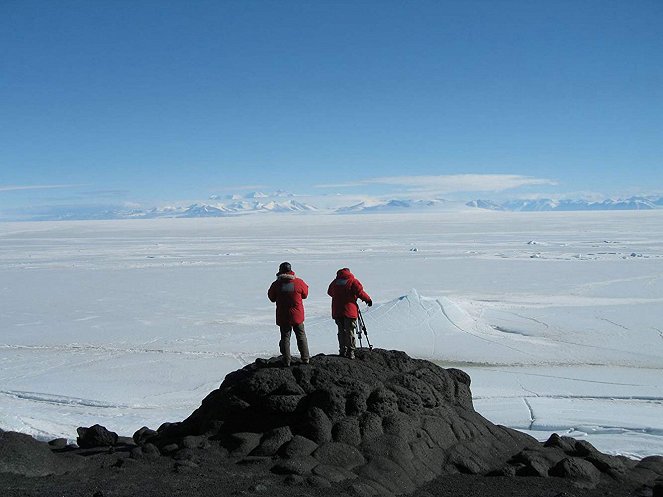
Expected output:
(344, 291)
(288, 291)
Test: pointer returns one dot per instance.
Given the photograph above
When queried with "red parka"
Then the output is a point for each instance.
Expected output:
(344, 291)
(288, 291)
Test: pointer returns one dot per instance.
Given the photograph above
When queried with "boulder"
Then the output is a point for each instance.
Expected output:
(297, 447)
(583, 473)
(95, 436)
(143, 435)
(272, 441)
(339, 455)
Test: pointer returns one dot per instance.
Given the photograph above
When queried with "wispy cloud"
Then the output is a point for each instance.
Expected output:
(15, 188)
(451, 183)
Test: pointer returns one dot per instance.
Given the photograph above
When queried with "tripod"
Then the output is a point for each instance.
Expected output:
(362, 328)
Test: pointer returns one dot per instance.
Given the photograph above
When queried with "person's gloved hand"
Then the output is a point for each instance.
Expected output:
(369, 303)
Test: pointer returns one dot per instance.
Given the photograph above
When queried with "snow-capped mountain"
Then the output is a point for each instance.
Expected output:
(401, 205)
(256, 195)
(632, 203)
(196, 210)
(220, 209)
(485, 204)
(284, 202)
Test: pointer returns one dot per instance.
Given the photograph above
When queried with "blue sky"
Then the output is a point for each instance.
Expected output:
(151, 102)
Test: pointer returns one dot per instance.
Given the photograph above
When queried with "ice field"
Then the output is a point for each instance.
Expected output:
(557, 317)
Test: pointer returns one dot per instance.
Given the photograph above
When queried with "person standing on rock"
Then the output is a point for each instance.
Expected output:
(288, 291)
(344, 291)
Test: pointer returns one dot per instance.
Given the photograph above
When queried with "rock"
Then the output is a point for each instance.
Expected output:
(169, 449)
(255, 461)
(241, 444)
(171, 430)
(318, 482)
(125, 441)
(330, 400)
(58, 443)
(509, 470)
(193, 442)
(382, 411)
(184, 455)
(143, 435)
(583, 448)
(295, 466)
(95, 436)
(583, 473)
(439, 430)
(316, 426)
(339, 455)
(137, 453)
(294, 481)
(297, 447)
(567, 444)
(467, 461)
(23, 455)
(388, 474)
(647, 470)
(538, 461)
(185, 466)
(611, 465)
(272, 441)
(333, 473)
(370, 426)
(653, 464)
(259, 487)
(370, 489)
(657, 489)
(382, 401)
(150, 451)
(347, 431)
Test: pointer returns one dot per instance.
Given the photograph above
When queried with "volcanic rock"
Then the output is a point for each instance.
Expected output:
(23, 455)
(383, 424)
(95, 436)
(384, 417)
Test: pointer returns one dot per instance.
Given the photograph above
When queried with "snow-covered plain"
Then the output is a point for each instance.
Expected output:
(558, 317)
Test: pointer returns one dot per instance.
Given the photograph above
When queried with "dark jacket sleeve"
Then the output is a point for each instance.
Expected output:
(329, 290)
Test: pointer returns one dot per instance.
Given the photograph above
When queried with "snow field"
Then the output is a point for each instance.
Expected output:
(132, 323)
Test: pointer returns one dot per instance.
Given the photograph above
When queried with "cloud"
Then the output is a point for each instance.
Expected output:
(15, 188)
(451, 183)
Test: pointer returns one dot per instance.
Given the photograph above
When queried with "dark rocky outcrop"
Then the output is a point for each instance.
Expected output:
(386, 420)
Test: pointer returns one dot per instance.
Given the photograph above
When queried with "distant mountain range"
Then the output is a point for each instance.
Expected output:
(632, 203)
(400, 206)
(284, 202)
(221, 209)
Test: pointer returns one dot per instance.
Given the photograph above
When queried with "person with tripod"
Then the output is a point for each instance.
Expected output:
(287, 292)
(344, 291)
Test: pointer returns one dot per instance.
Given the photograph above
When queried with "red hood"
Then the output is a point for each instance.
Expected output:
(345, 274)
